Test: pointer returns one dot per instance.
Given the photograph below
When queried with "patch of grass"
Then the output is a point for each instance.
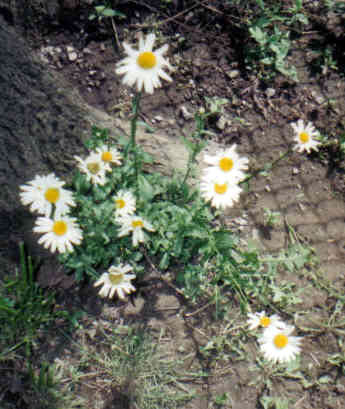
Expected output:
(25, 310)
(125, 361)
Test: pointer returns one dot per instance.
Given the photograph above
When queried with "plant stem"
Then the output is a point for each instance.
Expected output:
(134, 121)
(194, 148)
(266, 168)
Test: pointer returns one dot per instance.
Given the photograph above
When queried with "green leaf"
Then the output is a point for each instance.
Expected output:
(109, 13)
(260, 36)
(261, 4)
(164, 263)
(146, 190)
(146, 126)
(302, 18)
(99, 9)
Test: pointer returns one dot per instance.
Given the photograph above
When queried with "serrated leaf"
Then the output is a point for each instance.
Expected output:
(146, 190)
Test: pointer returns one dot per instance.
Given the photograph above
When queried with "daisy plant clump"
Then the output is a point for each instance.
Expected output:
(120, 221)
(277, 344)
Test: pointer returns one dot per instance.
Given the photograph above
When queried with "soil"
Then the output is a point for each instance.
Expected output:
(206, 47)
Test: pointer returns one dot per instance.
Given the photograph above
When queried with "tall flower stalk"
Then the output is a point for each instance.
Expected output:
(134, 123)
(143, 67)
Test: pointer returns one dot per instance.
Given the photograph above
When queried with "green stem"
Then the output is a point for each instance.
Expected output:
(266, 168)
(135, 115)
(134, 121)
(197, 146)
(189, 167)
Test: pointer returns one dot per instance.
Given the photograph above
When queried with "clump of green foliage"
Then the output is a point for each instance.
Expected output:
(270, 28)
(25, 309)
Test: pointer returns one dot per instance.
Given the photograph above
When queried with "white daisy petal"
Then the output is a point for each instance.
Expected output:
(94, 168)
(60, 233)
(133, 224)
(219, 191)
(124, 203)
(261, 319)
(304, 136)
(45, 194)
(144, 66)
(278, 345)
(116, 280)
(227, 163)
(109, 155)
(149, 42)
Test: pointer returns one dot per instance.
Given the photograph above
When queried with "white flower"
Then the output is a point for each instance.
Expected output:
(44, 193)
(144, 66)
(116, 280)
(124, 203)
(278, 345)
(261, 319)
(219, 191)
(94, 168)
(136, 225)
(227, 163)
(109, 155)
(304, 135)
(60, 233)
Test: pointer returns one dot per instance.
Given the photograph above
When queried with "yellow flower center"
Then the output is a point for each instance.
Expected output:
(116, 278)
(226, 164)
(107, 157)
(60, 228)
(137, 223)
(304, 137)
(120, 203)
(265, 321)
(52, 194)
(220, 189)
(93, 167)
(280, 341)
(147, 60)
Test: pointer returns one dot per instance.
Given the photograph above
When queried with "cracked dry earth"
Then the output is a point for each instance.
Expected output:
(303, 189)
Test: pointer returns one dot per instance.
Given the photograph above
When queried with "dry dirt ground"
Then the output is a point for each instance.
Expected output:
(307, 191)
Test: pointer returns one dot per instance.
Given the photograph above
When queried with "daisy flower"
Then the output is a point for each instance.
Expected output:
(304, 135)
(136, 225)
(44, 193)
(261, 319)
(109, 155)
(144, 66)
(220, 191)
(60, 233)
(227, 163)
(94, 168)
(116, 280)
(278, 345)
(124, 203)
